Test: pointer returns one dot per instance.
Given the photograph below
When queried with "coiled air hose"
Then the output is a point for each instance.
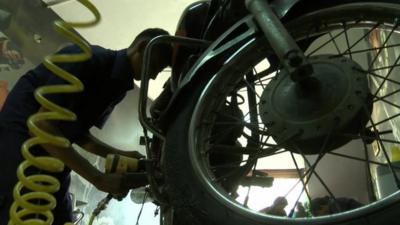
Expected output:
(41, 186)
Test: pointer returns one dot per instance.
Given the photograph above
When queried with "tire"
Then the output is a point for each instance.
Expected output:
(195, 198)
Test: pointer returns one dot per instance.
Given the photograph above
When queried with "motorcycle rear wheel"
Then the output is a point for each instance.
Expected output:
(196, 192)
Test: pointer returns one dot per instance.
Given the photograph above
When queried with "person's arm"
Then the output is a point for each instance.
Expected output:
(111, 183)
(97, 147)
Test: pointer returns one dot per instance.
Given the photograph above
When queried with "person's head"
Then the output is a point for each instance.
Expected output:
(320, 206)
(161, 53)
(280, 202)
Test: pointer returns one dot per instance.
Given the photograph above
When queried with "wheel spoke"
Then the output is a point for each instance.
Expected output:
(368, 50)
(249, 86)
(320, 156)
(378, 76)
(384, 121)
(303, 183)
(347, 41)
(246, 201)
(385, 67)
(386, 77)
(356, 136)
(359, 159)
(348, 52)
(326, 43)
(368, 166)
(253, 110)
(369, 138)
(311, 170)
(335, 43)
(260, 81)
(390, 141)
(386, 96)
(380, 50)
(317, 175)
(258, 78)
(235, 149)
(389, 103)
(376, 132)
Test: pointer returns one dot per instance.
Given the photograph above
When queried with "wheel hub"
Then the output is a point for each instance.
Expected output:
(300, 116)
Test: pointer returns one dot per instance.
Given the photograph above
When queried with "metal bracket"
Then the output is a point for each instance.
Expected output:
(144, 84)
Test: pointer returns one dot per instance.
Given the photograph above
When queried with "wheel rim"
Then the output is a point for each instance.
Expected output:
(352, 30)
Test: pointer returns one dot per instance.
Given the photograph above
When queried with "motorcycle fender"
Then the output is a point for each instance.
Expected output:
(223, 49)
(225, 41)
(218, 53)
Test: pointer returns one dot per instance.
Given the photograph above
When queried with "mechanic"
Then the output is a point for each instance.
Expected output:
(107, 76)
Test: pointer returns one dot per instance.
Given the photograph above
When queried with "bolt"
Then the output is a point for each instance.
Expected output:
(294, 59)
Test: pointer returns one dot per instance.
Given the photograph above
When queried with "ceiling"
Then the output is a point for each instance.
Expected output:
(122, 20)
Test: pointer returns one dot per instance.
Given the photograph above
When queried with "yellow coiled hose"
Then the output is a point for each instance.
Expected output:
(42, 186)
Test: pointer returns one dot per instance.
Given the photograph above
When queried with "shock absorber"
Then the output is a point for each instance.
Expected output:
(37, 203)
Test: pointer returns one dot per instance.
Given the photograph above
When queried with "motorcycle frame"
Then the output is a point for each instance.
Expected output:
(219, 47)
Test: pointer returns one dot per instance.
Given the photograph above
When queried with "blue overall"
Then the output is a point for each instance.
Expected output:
(107, 77)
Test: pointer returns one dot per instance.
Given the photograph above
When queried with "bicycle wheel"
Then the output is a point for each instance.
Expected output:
(260, 144)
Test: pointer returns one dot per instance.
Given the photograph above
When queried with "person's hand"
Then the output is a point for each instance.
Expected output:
(12, 55)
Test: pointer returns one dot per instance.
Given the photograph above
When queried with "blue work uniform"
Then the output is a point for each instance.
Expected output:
(107, 77)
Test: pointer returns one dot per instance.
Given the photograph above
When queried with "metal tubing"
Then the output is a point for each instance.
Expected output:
(144, 87)
(280, 40)
(144, 84)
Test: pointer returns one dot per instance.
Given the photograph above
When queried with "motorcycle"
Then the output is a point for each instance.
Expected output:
(253, 80)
